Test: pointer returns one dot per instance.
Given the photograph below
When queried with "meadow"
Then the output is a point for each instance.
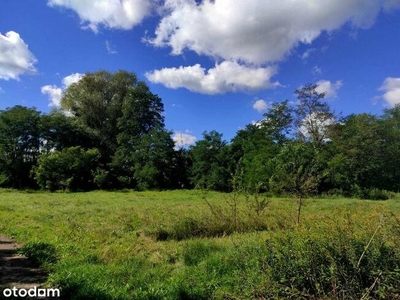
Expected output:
(197, 245)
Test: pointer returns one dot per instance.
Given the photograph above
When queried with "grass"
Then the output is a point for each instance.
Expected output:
(169, 245)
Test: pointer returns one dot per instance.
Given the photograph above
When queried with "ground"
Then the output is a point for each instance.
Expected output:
(17, 270)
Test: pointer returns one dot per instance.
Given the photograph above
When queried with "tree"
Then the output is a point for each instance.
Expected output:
(149, 164)
(71, 168)
(58, 131)
(313, 114)
(97, 101)
(278, 121)
(19, 145)
(357, 154)
(144, 148)
(124, 118)
(210, 157)
(297, 172)
(251, 151)
(389, 125)
(181, 166)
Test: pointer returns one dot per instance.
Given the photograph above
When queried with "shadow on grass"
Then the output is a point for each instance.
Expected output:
(17, 270)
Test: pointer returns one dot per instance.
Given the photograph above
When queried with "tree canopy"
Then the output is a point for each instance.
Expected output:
(110, 134)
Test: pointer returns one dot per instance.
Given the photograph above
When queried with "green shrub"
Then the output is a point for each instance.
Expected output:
(375, 194)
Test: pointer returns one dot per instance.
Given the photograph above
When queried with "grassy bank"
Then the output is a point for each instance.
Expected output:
(172, 245)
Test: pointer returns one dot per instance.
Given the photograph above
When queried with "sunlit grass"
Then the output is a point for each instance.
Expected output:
(107, 247)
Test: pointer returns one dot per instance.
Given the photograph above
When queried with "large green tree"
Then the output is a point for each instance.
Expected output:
(19, 145)
(210, 162)
(96, 101)
(251, 152)
(59, 131)
(126, 120)
(390, 141)
(357, 156)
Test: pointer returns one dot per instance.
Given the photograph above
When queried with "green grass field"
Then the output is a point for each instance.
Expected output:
(171, 245)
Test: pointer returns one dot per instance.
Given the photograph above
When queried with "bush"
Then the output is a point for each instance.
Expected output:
(71, 169)
(375, 194)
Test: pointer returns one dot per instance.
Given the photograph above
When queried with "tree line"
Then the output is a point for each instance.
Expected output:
(110, 134)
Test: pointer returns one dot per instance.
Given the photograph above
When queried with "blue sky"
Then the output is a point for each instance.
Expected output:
(216, 64)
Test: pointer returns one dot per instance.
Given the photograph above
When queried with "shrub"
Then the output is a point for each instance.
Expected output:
(72, 169)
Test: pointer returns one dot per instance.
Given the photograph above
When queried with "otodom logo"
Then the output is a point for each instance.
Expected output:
(32, 292)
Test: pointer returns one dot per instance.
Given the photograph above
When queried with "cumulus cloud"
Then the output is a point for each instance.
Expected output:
(257, 31)
(227, 76)
(330, 89)
(391, 89)
(183, 139)
(15, 57)
(55, 93)
(260, 105)
(119, 14)
(70, 79)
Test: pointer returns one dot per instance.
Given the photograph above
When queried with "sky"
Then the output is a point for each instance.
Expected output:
(216, 64)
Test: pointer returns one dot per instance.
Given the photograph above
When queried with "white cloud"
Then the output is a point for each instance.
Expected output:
(119, 14)
(70, 79)
(227, 76)
(15, 57)
(183, 139)
(1, 90)
(260, 105)
(330, 89)
(257, 31)
(391, 87)
(110, 48)
(55, 93)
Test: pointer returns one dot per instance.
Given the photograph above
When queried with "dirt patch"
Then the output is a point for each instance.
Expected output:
(17, 270)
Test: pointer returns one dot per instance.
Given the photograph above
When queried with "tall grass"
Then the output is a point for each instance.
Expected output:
(169, 245)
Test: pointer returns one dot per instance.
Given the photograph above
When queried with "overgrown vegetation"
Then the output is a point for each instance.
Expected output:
(200, 244)
(110, 134)
(107, 245)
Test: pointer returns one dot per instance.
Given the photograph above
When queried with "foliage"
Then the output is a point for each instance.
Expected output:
(296, 172)
(19, 146)
(59, 131)
(96, 101)
(118, 115)
(210, 162)
(69, 169)
(313, 114)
